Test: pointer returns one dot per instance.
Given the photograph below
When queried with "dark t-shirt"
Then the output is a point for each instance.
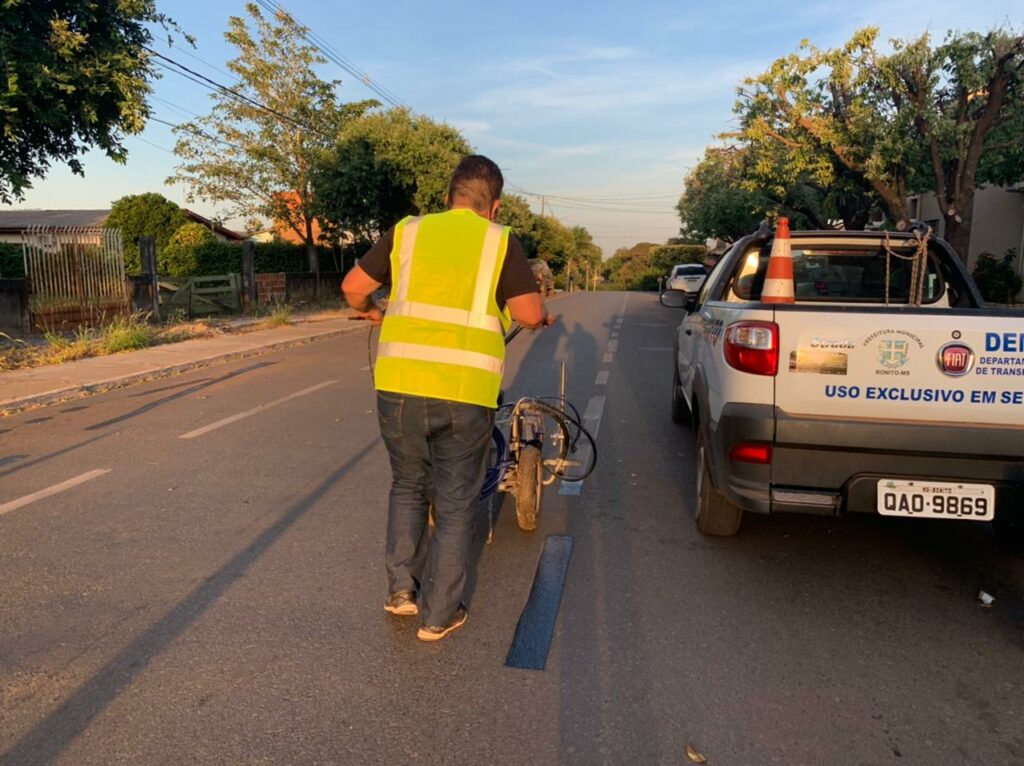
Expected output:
(516, 275)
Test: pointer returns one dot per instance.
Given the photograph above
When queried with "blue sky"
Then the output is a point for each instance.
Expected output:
(610, 102)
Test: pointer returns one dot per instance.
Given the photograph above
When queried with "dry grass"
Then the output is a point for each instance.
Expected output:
(121, 334)
(280, 315)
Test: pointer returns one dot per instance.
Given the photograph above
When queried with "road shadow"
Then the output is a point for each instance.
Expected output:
(45, 742)
(204, 384)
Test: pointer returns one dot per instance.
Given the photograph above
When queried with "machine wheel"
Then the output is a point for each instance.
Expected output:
(716, 515)
(529, 485)
(680, 410)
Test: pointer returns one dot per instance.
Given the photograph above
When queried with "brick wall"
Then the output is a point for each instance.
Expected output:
(271, 288)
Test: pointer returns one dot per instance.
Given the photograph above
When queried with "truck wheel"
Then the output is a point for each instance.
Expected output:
(680, 411)
(715, 514)
(529, 485)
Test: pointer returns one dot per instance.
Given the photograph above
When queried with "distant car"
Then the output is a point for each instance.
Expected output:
(542, 273)
(688, 277)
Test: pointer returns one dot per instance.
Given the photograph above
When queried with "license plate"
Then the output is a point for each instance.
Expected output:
(936, 500)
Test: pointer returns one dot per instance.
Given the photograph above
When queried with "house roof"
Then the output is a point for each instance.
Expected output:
(14, 221)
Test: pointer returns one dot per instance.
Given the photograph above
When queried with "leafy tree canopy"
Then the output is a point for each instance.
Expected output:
(257, 161)
(144, 215)
(386, 165)
(76, 77)
(918, 118)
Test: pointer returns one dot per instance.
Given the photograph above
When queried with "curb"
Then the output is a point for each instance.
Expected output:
(13, 406)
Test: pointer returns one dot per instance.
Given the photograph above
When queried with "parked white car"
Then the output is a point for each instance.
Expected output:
(688, 277)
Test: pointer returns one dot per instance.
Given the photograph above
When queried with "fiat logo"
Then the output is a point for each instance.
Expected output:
(955, 359)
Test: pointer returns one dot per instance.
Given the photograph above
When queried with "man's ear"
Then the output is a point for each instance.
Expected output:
(494, 208)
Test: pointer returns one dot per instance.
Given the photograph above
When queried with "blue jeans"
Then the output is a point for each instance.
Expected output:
(438, 451)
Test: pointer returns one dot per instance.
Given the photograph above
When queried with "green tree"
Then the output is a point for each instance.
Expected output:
(144, 215)
(724, 197)
(919, 118)
(515, 212)
(715, 201)
(181, 256)
(257, 161)
(555, 243)
(386, 165)
(75, 77)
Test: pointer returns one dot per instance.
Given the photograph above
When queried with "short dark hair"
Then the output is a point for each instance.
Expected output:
(477, 181)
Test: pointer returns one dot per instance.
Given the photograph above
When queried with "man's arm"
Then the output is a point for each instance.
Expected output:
(358, 288)
(529, 310)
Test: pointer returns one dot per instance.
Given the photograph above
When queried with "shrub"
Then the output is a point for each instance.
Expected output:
(144, 215)
(997, 279)
(179, 257)
(12, 263)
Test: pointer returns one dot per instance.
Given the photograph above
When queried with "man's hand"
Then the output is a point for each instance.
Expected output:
(373, 314)
(549, 319)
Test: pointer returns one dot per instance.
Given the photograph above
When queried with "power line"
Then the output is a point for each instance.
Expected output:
(176, 107)
(191, 74)
(214, 67)
(196, 132)
(155, 146)
(584, 204)
(626, 198)
(334, 56)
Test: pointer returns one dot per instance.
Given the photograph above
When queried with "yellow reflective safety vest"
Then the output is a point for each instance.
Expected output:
(443, 335)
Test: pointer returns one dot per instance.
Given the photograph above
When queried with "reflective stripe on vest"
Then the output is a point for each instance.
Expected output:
(441, 355)
(434, 313)
(443, 334)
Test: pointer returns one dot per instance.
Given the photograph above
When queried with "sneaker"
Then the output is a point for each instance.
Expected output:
(402, 603)
(430, 633)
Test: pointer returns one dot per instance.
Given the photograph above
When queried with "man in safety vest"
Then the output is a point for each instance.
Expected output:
(455, 279)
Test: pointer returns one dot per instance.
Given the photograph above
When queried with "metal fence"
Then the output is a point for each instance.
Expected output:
(76, 275)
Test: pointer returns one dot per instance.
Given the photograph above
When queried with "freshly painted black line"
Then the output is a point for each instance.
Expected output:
(536, 627)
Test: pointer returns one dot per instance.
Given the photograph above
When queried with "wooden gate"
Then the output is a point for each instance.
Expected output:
(76, 275)
(201, 296)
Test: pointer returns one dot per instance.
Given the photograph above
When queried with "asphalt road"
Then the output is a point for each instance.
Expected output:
(217, 598)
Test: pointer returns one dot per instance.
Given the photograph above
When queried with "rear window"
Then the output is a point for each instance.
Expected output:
(842, 275)
(692, 270)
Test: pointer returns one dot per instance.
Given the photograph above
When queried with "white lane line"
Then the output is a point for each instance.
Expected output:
(602, 378)
(592, 422)
(615, 334)
(594, 410)
(613, 346)
(13, 505)
(655, 348)
(254, 411)
(607, 358)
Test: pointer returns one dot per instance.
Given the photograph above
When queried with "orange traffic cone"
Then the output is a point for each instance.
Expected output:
(778, 281)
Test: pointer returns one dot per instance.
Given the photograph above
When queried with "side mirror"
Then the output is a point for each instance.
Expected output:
(674, 299)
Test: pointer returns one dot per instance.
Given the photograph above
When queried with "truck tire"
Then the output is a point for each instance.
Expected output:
(529, 486)
(680, 411)
(716, 515)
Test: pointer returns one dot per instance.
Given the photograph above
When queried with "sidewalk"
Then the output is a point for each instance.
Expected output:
(38, 386)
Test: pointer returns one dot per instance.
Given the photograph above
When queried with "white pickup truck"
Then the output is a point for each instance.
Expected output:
(852, 399)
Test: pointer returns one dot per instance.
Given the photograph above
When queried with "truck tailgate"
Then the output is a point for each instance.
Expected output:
(912, 366)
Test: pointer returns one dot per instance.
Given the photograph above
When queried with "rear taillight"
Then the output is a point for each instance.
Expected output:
(751, 452)
(753, 347)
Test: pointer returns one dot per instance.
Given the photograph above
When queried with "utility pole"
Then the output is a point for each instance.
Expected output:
(542, 206)
(586, 285)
